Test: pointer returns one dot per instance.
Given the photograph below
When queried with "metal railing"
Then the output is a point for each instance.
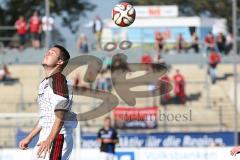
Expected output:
(8, 28)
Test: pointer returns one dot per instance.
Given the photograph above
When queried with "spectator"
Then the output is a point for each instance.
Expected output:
(229, 43)
(97, 30)
(214, 60)
(165, 97)
(209, 42)
(159, 44)
(119, 63)
(47, 26)
(109, 84)
(82, 44)
(180, 43)
(221, 41)
(147, 61)
(108, 138)
(107, 61)
(102, 83)
(47, 23)
(5, 73)
(35, 29)
(21, 26)
(76, 82)
(179, 88)
(195, 42)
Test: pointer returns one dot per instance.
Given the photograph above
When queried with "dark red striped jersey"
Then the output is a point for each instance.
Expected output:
(55, 93)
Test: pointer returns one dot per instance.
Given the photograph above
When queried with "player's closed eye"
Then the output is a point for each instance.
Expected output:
(50, 52)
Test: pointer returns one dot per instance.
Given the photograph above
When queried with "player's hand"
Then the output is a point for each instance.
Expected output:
(23, 144)
(44, 147)
(235, 151)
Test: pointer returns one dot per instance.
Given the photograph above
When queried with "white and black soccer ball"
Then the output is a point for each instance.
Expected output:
(123, 14)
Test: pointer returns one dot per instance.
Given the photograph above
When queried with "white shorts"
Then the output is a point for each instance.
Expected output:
(107, 156)
(61, 147)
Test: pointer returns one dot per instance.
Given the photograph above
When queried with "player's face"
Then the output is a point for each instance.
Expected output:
(52, 58)
(107, 122)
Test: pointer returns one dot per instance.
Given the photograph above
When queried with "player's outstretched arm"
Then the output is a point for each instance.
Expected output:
(23, 144)
(109, 140)
(235, 151)
(45, 146)
(99, 140)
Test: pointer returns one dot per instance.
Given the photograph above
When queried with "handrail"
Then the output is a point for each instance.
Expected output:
(7, 28)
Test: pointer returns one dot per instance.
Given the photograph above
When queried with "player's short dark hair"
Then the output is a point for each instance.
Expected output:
(64, 54)
(107, 118)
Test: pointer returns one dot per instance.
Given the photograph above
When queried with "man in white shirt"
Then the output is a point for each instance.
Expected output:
(47, 23)
(97, 30)
(55, 101)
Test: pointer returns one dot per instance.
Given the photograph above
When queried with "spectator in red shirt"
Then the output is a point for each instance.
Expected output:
(21, 26)
(35, 29)
(179, 87)
(214, 59)
(146, 59)
(209, 42)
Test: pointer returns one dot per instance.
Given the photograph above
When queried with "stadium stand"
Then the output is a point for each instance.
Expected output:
(211, 113)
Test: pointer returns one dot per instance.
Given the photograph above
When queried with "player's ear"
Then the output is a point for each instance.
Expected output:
(60, 62)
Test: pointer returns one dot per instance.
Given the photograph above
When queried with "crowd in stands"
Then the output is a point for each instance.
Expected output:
(32, 29)
(221, 43)
(178, 82)
(104, 81)
(217, 46)
(179, 85)
(180, 45)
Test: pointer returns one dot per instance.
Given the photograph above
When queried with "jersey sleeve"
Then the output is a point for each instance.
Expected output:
(60, 97)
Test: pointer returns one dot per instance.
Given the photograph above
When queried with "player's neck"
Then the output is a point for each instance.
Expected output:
(51, 71)
(106, 127)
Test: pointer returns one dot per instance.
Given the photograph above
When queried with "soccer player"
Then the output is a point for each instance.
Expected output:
(108, 138)
(55, 100)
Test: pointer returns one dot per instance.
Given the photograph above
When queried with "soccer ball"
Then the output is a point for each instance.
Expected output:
(123, 14)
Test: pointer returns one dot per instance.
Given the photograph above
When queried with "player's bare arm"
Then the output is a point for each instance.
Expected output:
(108, 140)
(45, 146)
(99, 140)
(23, 144)
(235, 151)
